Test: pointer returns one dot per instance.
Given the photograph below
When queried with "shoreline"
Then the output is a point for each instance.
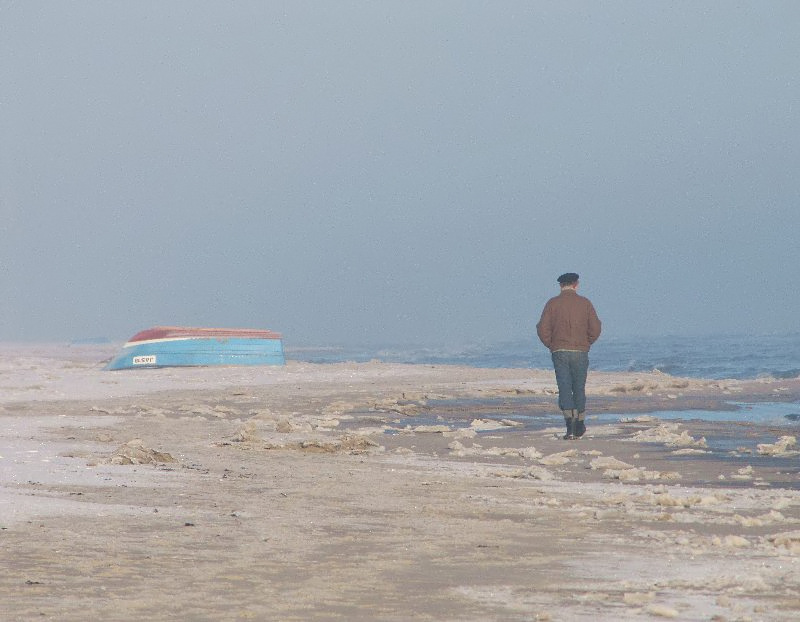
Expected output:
(44, 378)
(304, 493)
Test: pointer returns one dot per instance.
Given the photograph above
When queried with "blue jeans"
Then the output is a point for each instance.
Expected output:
(571, 370)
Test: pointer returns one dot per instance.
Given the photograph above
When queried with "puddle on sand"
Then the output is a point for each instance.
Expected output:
(765, 413)
(736, 432)
(739, 430)
(461, 413)
(731, 435)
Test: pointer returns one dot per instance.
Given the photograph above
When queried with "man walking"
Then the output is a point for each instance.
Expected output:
(568, 328)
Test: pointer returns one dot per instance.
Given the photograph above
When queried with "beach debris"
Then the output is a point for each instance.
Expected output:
(667, 434)
(151, 411)
(401, 407)
(769, 518)
(731, 541)
(262, 413)
(285, 426)
(515, 474)
(534, 472)
(461, 433)
(217, 411)
(248, 433)
(530, 453)
(663, 498)
(640, 474)
(609, 462)
(459, 450)
(779, 449)
(540, 473)
(789, 540)
(662, 611)
(430, 429)
(134, 452)
(334, 409)
(559, 458)
(347, 443)
(781, 503)
(666, 500)
(689, 451)
(638, 598)
(744, 473)
(502, 451)
(635, 387)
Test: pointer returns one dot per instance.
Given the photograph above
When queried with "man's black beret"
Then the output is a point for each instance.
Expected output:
(568, 278)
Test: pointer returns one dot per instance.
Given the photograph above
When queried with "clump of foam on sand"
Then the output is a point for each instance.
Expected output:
(790, 541)
(430, 429)
(135, 452)
(458, 449)
(667, 434)
(779, 449)
(640, 474)
(609, 462)
(558, 459)
(533, 472)
(347, 443)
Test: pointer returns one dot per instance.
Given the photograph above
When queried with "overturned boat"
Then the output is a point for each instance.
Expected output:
(182, 346)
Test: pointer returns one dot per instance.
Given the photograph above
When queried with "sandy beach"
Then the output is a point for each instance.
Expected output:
(377, 491)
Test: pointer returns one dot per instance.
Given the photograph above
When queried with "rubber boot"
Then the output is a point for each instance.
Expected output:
(569, 420)
(580, 426)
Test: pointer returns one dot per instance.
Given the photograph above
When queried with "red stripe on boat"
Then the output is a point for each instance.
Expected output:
(188, 332)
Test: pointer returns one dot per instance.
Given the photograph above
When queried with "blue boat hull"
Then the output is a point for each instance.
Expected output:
(194, 352)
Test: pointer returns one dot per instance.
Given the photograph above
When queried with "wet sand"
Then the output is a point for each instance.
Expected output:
(311, 492)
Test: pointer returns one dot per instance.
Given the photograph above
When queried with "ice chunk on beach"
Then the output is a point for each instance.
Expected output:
(667, 433)
(781, 448)
(609, 462)
(558, 459)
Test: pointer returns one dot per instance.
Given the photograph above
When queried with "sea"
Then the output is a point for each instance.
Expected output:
(739, 356)
(721, 356)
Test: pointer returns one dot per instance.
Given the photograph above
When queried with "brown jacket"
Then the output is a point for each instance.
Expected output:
(569, 322)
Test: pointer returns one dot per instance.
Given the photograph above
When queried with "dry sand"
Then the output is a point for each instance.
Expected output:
(315, 492)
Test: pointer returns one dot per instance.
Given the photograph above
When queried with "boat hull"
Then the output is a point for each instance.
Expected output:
(205, 349)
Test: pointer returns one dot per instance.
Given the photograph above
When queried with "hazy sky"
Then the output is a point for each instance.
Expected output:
(385, 171)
